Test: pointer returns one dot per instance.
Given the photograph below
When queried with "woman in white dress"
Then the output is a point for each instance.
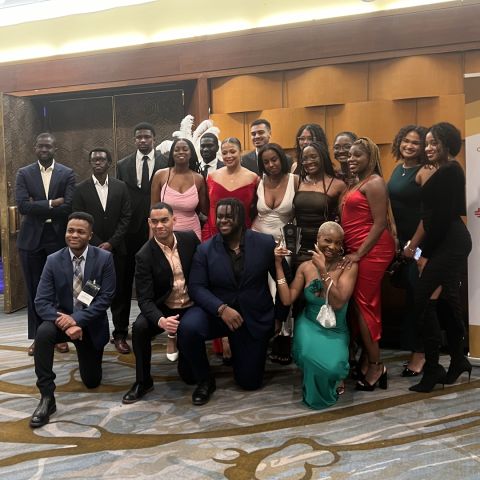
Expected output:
(275, 194)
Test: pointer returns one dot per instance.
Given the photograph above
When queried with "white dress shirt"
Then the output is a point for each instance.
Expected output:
(139, 165)
(102, 191)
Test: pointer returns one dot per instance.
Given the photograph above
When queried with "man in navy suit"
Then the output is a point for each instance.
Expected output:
(67, 315)
(229, 285)
(137, 171)
(43, 192)
(108, 201)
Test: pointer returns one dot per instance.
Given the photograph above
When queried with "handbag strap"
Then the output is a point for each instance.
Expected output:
(328, 290)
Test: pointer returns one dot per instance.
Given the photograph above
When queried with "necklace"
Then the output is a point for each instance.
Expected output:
(311, 180)
(406, 168)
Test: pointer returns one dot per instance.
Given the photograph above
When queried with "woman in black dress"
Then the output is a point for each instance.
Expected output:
(446, 244)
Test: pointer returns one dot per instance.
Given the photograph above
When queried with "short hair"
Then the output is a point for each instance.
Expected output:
(81, 216)
(233, 140)
(448, 135)
(402, 133)
(325, 160)
(281, 155)
(351, 135)
(45, 134)
(193, 163)
(144, 126)
(317, 132)
(237, 208)
(325, 226)
(210, 135)
(100, 149)
(371, 149)
(160, 206)
(260, 121)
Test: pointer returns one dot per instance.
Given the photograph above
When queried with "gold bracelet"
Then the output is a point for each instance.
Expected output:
(221, 309)
(281, 281)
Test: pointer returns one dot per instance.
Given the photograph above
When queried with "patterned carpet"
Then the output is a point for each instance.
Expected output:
(268, 434)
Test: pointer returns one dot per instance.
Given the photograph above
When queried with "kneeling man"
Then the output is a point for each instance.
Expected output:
(229, 285)
(75, 290)
(162, 267)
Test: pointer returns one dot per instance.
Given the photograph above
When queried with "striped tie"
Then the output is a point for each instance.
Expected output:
(77, 281)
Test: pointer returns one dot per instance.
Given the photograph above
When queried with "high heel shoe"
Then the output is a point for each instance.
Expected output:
(410, 373)
(173, 356)
(382, 381)
(456, 369)
(431, 376)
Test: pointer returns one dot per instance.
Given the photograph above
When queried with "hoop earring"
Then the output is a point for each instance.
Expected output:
(342, 251)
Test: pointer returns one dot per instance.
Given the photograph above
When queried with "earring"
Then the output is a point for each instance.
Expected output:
(342, 251)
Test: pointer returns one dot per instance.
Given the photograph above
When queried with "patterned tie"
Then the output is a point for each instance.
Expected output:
(77, 281)
(145, 174)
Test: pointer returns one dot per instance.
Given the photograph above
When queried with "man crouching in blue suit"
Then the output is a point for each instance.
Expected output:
(229, 285)
(75, 290)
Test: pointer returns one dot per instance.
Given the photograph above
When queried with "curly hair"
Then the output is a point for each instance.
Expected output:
(402, 133)
(317, 132)
(448, 135)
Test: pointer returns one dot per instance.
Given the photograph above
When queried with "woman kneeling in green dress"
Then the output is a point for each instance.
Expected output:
(321, 352)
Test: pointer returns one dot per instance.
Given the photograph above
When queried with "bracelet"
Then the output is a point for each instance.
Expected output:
(221, 309)
(169, 335)
(281, 281)
(407, 247)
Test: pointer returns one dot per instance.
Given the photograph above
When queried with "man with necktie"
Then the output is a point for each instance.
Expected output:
(75, 290)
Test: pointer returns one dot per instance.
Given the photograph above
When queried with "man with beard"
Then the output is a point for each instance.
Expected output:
(208, 151)
(229, 285)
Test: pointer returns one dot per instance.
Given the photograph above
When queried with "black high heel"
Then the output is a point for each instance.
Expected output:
(431, 376)
(410, 373)
(456, 369)
(382, 381)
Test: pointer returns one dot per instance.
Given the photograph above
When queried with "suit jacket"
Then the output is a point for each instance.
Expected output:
(55, 291)
(212, 281)
(154, 276)
(33, 203)
(139, 200)
(110, 225)
(250, 161)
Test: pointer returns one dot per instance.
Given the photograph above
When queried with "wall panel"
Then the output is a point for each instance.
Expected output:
(230, 125)
(448, 108)
(378, 120)
(247, 92)
(328, 85)
(415, 77)
(472, 62)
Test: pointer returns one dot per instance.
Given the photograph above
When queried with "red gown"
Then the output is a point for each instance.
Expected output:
(216, 192)
(356, 222)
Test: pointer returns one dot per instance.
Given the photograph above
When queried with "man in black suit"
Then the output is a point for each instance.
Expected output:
(229, 285)
(161, 276)
(43, 193)
(209, 153)
(137, 170)
(107, 200)
(261, 132)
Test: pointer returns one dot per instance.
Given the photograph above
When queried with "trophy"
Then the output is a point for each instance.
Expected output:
(290, 236)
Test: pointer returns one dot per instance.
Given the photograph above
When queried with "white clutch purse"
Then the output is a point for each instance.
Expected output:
(326, 316)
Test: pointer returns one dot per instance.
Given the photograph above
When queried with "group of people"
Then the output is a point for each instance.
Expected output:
(201, 237)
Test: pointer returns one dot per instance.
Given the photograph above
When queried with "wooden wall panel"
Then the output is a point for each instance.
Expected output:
(415, 77)
(230, 125)
(472, 62)
(378, 120)
(285, 123)
(448, 108)
(387, 162)
(247, 93)
(328, 85)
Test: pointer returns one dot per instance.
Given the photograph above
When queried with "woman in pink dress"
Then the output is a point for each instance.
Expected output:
(182, 186)
(370, 244)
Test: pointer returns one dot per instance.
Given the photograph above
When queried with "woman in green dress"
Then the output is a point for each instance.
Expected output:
(322, 353)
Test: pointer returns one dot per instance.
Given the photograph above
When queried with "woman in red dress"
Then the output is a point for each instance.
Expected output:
(370, 244)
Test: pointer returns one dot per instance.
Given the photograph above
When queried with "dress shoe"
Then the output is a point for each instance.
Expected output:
(410, 373)
(456, 368)
(172, 355)
(382, 381)
(62, 347)
(137, 391)
(41, 415)
(31, 350)
(432, 374)
(121, 345)
(201, 395)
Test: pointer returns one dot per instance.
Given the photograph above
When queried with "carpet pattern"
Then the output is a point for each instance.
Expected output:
(268, 434)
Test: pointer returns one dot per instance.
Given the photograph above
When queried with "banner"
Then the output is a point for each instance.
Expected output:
(472, 150)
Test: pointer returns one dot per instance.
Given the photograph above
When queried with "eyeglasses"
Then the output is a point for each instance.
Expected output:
(99, 160)
(305, 139)
(339, 148)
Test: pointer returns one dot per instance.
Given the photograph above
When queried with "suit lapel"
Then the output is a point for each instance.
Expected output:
(132, 171)
(67, 267)
(94, 194)
(37, 177)
(89, 264)
(160, 260)
(225, 262)
(53, 181)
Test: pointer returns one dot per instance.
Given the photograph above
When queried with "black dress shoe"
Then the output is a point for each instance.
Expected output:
(137, 391)
(201, 395)
(41, 415)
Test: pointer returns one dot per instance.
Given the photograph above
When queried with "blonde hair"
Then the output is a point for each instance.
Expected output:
(373, 152)
(326, 226)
